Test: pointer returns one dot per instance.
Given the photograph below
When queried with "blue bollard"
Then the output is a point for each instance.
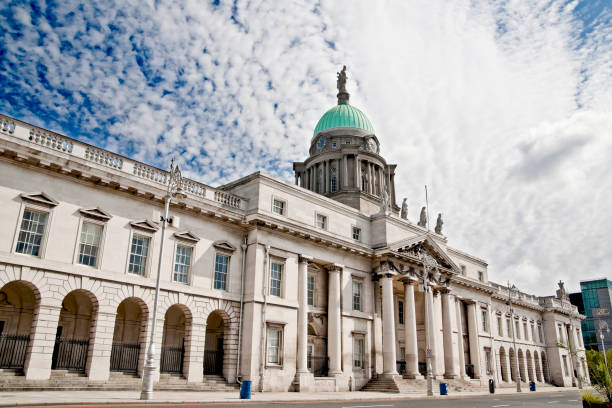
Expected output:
(532, 386)
(245, 389)
(443, 388)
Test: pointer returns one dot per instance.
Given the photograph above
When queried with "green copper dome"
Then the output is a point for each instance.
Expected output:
(344, 115)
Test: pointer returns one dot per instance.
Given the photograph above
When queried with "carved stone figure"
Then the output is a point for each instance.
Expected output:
(423, 218)
(384, 205)
(439, 224)
(561, 292)
(341, 83)
(404, 213)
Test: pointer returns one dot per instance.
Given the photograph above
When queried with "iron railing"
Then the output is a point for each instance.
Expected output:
(318, 365)
(13, 350)
(401, 367)
(172, 359)
(213, 362)
(70, 354)
(124, 357)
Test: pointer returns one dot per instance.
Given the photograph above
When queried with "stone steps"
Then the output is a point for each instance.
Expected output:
(381, 384)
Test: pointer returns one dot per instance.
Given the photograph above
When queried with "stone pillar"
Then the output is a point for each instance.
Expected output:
(437, 326)
(370, 179)
(389, 359)
(344, 172)
(333, 322)
(460, 350)
(450, 369)
(571, 339)
(378, 361)
(410, 333)
(326, 176)
(430, 328)
(296, 178)
(42, 342)
(304, 378)
(357, 175)
(98, 365)
(473, 333)
(195, 341)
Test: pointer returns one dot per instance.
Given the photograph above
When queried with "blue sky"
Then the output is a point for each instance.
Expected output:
(502, 107)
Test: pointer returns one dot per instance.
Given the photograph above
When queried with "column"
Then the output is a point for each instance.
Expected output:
(430, 328)
(473, 333)
(460, 350)
(302, 331)
(571, 339)
(377, 361)
(296, 178)
(357, 178)
(326, 176)
(333, 322)
(410, 333)
(344, 171)
(450, 369)
(42, 342)
(389, 359)
(437, 327)
(370, 179)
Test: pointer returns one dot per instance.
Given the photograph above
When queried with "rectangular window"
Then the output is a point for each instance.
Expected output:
(334, 184)
(358, 352)
(517, 328)
(356, 295)
(488, 361)
(89, 243)
(541, 334)
(525, 331)
(182, 263)
(275, 340)
(276, 276)
(481, 276)
(565, 366)
(560, 334)
(310, 290)
(485, 325)
(221, 264)
(402, 354)
(138, 254)
(278, 207)
(321, 221)
(31, 232)
(500, 329)
(463, 270)
(400, 312)
(509, 327)
(533, 337)
(357, 234)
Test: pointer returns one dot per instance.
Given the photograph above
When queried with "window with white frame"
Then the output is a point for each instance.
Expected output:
(139, 251)
(89, 243)
(485, 320)
(500, 329)
(533, 337)
(525, 331)
(334, 184)
(276, 278)
(275, 344)
(321, 221)
(517, 328)
(278, 207)
(221, 268)
(400, 312)
(481, 276)
(357, 294)
(357, 234)
(358, 351)
(508, 327)
(310, 283)
(31, 232)
(182, 263)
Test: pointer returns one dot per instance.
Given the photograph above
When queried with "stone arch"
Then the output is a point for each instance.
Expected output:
(538, 366)
(130, 336)
(522, 367)
(513, 371)
(544, 367)
(503, 366)
(76, 331)
(530, 369)
(176, 339)
(229, 313)
(217, 355)
(19, 309)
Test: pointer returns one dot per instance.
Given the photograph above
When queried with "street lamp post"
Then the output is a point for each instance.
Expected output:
(512, 324)
(428, 264)
(602, 325)
(174, 190)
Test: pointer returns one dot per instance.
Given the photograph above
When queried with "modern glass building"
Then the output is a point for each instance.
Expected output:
(595, 301)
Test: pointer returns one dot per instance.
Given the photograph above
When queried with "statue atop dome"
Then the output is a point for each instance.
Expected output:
(343, 95)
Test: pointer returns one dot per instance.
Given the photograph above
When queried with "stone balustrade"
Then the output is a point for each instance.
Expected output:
(227, 199)
(195, 188)
(51, 141)
(7, 125)
(104, 158)
(150, 173)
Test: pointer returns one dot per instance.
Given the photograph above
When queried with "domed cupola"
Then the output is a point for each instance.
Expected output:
(344, 162)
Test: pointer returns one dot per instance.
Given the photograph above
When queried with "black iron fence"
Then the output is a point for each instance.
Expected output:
(124, 357)
(213, 362)
(70, 354)
(318, 366)
(172, 359)
(400, 367)
(13, 350)
(469, 370)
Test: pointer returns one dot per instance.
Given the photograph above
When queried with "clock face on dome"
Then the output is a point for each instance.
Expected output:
(321, 143)
(371, 145)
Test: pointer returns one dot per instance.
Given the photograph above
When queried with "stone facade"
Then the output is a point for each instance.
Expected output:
(263, 280)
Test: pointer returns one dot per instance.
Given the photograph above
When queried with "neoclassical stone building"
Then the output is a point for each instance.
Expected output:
(316, 285)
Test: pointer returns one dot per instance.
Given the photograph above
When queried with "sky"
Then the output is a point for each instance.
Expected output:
(503, 108)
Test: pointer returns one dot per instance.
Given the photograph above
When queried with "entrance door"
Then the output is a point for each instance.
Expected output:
(219, 362)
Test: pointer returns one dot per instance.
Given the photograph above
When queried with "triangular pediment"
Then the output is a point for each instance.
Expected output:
(39, 198)
(146, 225)
(96, 213)
(224, 246)
(186, 236)
(428, 244)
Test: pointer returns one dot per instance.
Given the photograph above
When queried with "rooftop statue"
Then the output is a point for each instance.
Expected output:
(341, 83)
(384, 205)
(439, 224)
(423, 218)
(404, 213)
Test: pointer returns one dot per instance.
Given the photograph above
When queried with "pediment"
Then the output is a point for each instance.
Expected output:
(187, 236)
(96, 213)
(224, 246)
(39, 198)
(425, 244)
(145, 225)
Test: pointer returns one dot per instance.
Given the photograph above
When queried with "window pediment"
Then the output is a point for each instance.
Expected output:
(39, 198)
(145, 225)
(224, 246)
(96, 213)
(187, 236)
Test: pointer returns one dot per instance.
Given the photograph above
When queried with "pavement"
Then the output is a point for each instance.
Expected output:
(48, 398)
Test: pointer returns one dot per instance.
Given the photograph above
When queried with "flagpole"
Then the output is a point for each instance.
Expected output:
(427, 206)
